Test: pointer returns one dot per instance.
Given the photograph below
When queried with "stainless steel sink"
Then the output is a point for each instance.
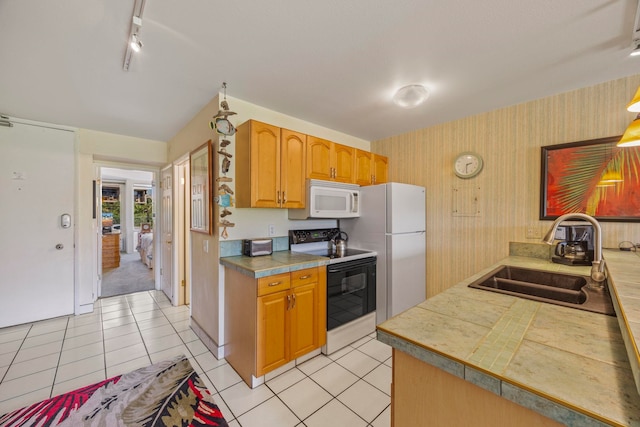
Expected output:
(568, 290)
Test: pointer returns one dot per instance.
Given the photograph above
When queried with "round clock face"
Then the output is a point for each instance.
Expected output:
(467, 165)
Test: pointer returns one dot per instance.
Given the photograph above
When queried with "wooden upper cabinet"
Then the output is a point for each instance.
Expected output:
(363, 167)
(370, 168)
(380, 169)
(270, 167)
(319, 158)
(344, 163)
(329, 161)
(293, 153)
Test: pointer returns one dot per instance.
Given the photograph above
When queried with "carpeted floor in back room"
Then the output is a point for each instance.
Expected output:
(131, 276)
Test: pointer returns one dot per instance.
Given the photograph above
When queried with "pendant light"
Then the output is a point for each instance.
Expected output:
(631, 137)
(634, 105)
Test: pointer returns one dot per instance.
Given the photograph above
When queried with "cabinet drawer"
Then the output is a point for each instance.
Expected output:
(271, 284)
(304, 277)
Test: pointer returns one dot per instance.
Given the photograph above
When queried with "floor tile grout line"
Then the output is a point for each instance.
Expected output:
(16, 354)
(13, 359)
(55, 374)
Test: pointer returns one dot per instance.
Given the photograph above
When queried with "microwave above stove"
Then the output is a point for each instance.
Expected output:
(326, 199)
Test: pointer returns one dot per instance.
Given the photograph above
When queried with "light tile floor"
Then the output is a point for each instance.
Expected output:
(38, 360)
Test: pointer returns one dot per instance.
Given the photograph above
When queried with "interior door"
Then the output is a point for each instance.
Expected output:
(166, 178)
(37, 170)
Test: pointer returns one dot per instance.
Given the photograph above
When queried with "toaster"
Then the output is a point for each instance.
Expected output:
(257, 247)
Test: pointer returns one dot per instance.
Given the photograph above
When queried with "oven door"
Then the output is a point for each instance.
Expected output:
(351, 291)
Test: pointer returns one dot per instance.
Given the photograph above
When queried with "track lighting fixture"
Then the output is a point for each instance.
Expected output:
(636, 50)
(133, 43)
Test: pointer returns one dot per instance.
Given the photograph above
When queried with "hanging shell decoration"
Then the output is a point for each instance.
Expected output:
(223, 126)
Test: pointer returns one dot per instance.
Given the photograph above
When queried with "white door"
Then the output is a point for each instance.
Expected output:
(37, 171)
(166, 243)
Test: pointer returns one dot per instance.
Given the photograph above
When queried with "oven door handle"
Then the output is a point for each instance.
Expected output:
(350, 265)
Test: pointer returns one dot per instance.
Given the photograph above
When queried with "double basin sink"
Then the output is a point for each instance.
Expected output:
(568, 290)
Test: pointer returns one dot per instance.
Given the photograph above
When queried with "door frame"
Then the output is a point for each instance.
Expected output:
(98, 165)
(181, 234)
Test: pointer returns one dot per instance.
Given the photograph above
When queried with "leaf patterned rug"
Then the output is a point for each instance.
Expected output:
(168, 393)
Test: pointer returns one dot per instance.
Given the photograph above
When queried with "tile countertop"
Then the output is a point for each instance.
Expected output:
(567, 364)
(276, 263)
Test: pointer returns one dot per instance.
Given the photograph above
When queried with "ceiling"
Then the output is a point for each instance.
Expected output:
(335, 63)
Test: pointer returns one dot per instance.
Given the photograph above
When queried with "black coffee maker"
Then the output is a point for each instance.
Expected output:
(576, 245)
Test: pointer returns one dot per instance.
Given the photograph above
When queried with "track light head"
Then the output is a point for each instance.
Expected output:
(636, 49)
(136, 43)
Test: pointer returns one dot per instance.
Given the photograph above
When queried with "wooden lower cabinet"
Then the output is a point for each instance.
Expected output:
(423, 395)
(110, 250)
(273, 332)
(273, 320)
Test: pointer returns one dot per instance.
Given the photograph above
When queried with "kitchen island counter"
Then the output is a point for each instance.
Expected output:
(569, 365)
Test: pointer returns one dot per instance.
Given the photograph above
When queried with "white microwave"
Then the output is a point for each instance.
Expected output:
(327, 199)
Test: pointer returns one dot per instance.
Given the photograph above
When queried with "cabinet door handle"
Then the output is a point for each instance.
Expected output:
(288, 302)
(284, 198)
(274, 283)
(306, 276)
(294, 301)
(278, 196)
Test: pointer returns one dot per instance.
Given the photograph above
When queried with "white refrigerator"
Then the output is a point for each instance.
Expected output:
(392, 223)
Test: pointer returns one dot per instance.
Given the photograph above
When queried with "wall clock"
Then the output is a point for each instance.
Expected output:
(467, 165)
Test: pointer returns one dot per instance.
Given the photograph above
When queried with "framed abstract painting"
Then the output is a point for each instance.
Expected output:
(593, 177)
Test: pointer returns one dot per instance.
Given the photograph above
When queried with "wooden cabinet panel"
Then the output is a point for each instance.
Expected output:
(344, 163)
(363, 167)
(293, 169)
(304, 319)
(329, 161)
(370, 168)
(110, 250)
(380, 169)
(303, 277)
(319, 158)
(276, 283)
(272, 332)
(270, 167)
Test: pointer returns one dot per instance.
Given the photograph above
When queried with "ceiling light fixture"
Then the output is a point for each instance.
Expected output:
(636, 50)
(136, 43)
(133, 42)
(410, 96)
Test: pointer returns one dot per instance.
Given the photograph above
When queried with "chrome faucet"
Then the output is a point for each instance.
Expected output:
(597, 265)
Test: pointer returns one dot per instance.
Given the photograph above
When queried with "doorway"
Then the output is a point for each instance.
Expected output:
(127, 230)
